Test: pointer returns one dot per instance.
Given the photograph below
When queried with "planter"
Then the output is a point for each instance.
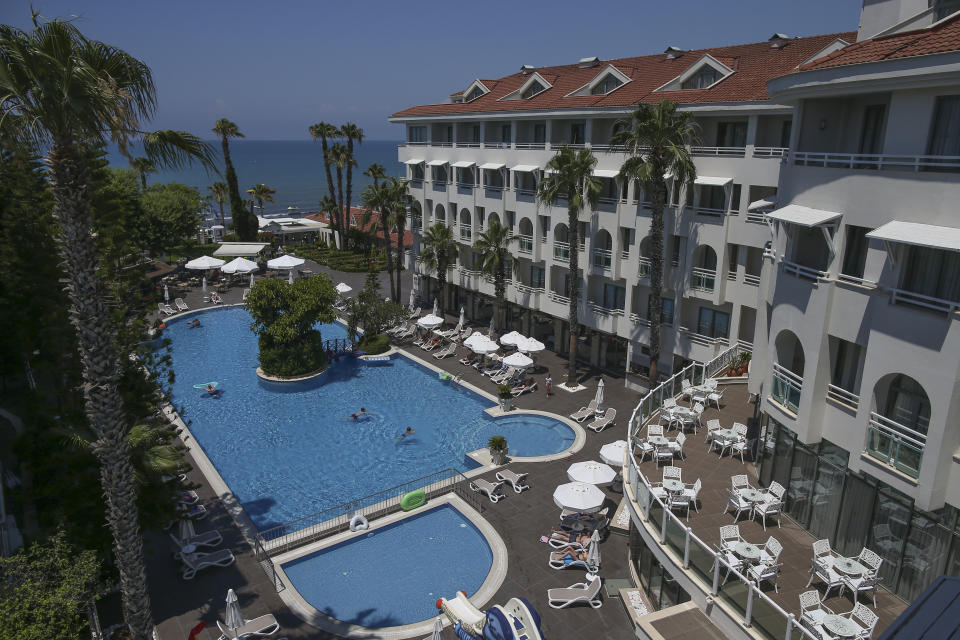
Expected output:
(499, 457)
(506, 404)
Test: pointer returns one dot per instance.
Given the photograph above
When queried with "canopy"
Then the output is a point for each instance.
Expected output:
(246, 249)
(285, 262)
(343, 287)
(493, 165)
(921, 235)
(578, 496)
(530, 345)
(524, 167)
(438, 163)
(240, 265)
(712, 181)
(803, 216)
(591, 472)
(605, 173)
(430, 321)
(511, 338)
(763, 203)
(613, 452)
(203, 263)
(463, 164)
(413, 161)
(517, 360)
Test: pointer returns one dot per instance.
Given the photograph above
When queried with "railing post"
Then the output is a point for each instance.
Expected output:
(716, 575)
(790, 623)
(663, 525)
(748, 616)
(686, 548)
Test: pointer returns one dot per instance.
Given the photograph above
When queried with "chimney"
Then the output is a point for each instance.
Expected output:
(588, 62)
(527, 69)
(673, 52)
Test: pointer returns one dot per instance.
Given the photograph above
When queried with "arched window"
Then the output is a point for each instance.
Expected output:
(440, 214)
(602, 249)
(788, 371)
(897, 433)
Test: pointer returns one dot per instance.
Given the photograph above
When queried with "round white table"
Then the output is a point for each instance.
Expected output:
(840, 626)
(725, 434)
(751, 495)
(673, 486)
(749, 552)
(849, 566)
(658, 441)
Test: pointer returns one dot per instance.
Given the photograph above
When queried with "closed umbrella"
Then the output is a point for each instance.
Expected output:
(166, 294)
(186, 530)
(290, 277)
(463, 317)
(436, 307)
(599, 397)
(437, 629)
(490, 330)
(251, 279)
(613, 452)
(234, 617)
(203, 285)
(285, 262)
(591, 472)
(204, 263)
(518, 360)
(343, 288)
(579, 496)
(511, 338)
(413, 298)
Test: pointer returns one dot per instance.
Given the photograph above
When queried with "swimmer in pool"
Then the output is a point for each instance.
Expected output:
(409, 432)
(359, 414)
(211, 390)
(194, 323)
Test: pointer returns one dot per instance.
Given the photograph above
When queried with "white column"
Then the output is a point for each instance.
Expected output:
(513, 134)
(548, 133)
(588, 132)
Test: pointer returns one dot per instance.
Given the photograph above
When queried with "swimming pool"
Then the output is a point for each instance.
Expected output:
(389, 576)
(288, 450)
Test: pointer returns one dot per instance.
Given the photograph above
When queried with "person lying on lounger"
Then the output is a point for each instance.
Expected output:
(529, 382)
(572, 554)
(571, 537)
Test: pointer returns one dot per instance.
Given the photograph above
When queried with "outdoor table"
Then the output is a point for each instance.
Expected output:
(746, 550)
(840, 626)
(725, 434)
(849, 566)
(658, 441)
(751, 495)
(673, 485)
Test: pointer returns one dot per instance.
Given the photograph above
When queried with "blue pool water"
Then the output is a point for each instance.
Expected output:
(288, 450)
(395, 575)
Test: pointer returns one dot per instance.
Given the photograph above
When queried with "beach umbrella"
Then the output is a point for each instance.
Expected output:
(511, 338)
(290, 277)
(591, 472)
(593, 554)
(613, 452)
(166, 293)
(234, 617)
(413, 298)
(343, 288)
(430, 321)
(240, 265)
(483, 346)
(530, 345)
(204, 263)
(490, 331)
(437, 629)
(599, 397)
(251, 279)
(285, 262)
(518, 360)
(578, 496)
(474, 338)
(204, 284)
(436, 307)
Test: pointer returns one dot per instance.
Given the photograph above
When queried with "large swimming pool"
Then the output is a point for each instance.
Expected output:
(394, 575)
(288, 450)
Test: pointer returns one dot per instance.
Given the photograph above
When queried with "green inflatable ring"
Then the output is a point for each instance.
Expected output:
(413, 500)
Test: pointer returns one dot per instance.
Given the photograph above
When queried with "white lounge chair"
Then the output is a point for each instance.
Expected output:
(194, 562)
(526, 388)
(599, 424)
(516, 480)
(461, 610)
(560, 560)
(494, 490)
(266, 625)
(205, 539)
(583, 413)
(449, 350)
(586, 592)
(504, 375)
(165, 308)
(246, 292)
(181, 305)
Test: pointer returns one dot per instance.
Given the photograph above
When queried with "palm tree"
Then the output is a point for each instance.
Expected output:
(59, 88)
(339, 156)
(261, 193)
(241, 224)
(379, 198)
(438, 250)
(144, 167)
(572, 180)
(219, 192)
(352, 133)
(656, 137)
(324, 131)
(398, 220)
(377, 172)
(493, 245)
(328, 206)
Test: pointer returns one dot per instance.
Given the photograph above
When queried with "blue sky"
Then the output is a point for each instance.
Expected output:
(274, 68)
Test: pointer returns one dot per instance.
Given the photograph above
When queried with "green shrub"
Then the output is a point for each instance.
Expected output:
(374, 344)
(293, 359)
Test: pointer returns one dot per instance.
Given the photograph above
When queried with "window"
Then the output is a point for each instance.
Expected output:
(540, 133)
(532, 90)
(785, 129)
(577, 133)
(733, 251)
(731, 134)
(613, 296)
(855, 251)
(932, 272)
(871, 136)
(735, 198)
(417, 134)
(666, 310)
(702, 78)
(508, 270)
(712, 197)
(475, 93)
(505, 133)
(675, 254)
(943, 8)
(417, 172)
(713, 323)
(846, 364)
(945, 132)
(476, 133)
(608, 84)
(449, 133)
(537, 277)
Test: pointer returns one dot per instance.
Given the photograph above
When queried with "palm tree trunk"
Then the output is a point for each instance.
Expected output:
(237, 211)
(100, 364)
(223, 221)
(326, 166)
(387, 254)
(349, 177)
(573, 290)
(342, 216)
(442, 280)
(500, 289)
(399, 259)
(656, 277)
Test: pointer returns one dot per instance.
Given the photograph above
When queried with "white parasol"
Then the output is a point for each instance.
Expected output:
(285, 262)
(240, 265)
(343, 288)
(613, 452)
(436, 307)
(578, 496)
(251, 279)
(413, 298)
(483, 346)
(599, 397)
(430, 321)
(290, 277)
(203, 285)
(204, 263)
(511, 338)
(530, 345)
(437, 629)
(591, 472)
(518, 360)
(166, 294)
(234, 617)
(463, 317)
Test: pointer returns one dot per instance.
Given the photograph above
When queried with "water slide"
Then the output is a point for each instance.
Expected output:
(516, 620)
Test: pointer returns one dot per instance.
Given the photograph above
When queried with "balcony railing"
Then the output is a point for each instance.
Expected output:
(444, 144)
(493, 187)
(604, 311)
(729, 152)
(415, 183)
(756, 216)
(607, 200)
(525, 244)
(497, 144)
(801, 271)
(528, 288)
(412, 143)
(526, 192)
(786, 387)
(710, 211)
(751, 279)
(769, 152)
(876, 161)
(531, 145)
(625, 254)
(466, 233)
(465, 185)
(558, 297)
(703, 279)
(895, 444)
(602, 258)
(643, 269)
(841, 395)
(705, 340)
(469, 145)
(732, 275)
(901, 296)
(561, 251)
(609, 148)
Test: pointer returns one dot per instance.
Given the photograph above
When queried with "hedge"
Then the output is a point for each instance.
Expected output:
(294, 359)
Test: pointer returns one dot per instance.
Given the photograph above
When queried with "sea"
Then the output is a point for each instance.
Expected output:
(293, 167)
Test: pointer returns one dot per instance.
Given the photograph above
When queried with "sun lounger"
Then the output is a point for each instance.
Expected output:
(516, 480)
(188, 496)
(449, 333)
(215, 298)
(586, 592)
(193, 511)
(165, 308)
(583, 413)
(599, 424)
(449, 350)
(415, 312)
(194, 562)
(519, 391)
(246, 292)
(208, 539)
(469, 360)
(563, 560)
(266, 625)
(431, 344)
(181, 305)
(494, 490)
(503, 376)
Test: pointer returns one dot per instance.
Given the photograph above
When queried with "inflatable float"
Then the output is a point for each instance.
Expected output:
(359, 523)
(413, 500)
(516, 620)
(203, 385)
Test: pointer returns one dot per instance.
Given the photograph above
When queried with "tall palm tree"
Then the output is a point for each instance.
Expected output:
(340, 157)
(241, 224)
(493, 245)
(219, 192)
(438, 250)
(398, 220)
(58, 88)
(143, 166)
(261, 193)
(323, 132)
(352, 133)
(377, 172)
(379, 199)
(656, 137)
(328, 206)
(572, 179)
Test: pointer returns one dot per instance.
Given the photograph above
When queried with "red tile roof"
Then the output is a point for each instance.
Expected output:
(356, 216)
(754, 64)
(941, 38)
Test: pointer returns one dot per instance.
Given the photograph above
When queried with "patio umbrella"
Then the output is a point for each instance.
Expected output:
(483, 346)
(290, 277)
(463, 317)
(490, 331)
(413, 298)
(204, 263)
(186, 529)
(436, 307)
(240, 265)
(251, 279)
(511, 338)
(343, 288)
(437, 629)
(430, 321)
(204, 284)
(518, 360)
(599, 397)
(530, 345)
(591, 472)
(578, 496)
(285, 262)
(612, 453)
(166, 294)
(593, 552)
(234, 617)
(473, 339)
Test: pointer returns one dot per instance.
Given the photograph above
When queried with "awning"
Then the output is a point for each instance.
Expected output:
(803, 216)
(605, 173)
(712, 181)
(525, 167)
(493, 165)
(921, 235)
(240, 248)
(413, 161)
(764, 203)
(438, 163)
(463, 164)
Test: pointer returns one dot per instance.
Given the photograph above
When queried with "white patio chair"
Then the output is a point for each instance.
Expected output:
(644, 449)
(866, 619)
(822, 568)
(812, 609)
(692, 491)
(715, 397)
(870, 559)
(764, 570)
(664, 453)
(712, 425)
(740, 429)
(741, 447)
(730, 535)
(771, 550)
(860, 584)
(676, 447)
(711, 383)
(737, 503)
(822, 554)
(698, 397)
(685, 388)
(680, 501)
(766, 508)
(776, 490)
(739, 481)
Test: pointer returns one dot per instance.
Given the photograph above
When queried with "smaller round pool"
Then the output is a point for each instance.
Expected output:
(395, 574)
(530, 435)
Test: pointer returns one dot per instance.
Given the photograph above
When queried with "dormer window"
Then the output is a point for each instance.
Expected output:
(532, 90)
(605, 86)
(605, 82)
(703, 74)
(534, 86)
(702, 79)
(475, 93)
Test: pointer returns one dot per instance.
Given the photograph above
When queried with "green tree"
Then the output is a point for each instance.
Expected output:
(376, 172)
(171, 214)
(341, 158)
(144, 167)
(656, 137)
(57, 88)
(261, 193)
(438, 250)
(572, 180)
(353, 134)
(245, 227)
(378, 200)
(398, 220)
(493, 246)
(44, 590)
(371, 313)
(324, 132)
(219, 190)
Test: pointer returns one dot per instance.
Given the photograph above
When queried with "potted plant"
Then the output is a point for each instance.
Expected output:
(506, 397)
(744, 364)
(498, 449)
